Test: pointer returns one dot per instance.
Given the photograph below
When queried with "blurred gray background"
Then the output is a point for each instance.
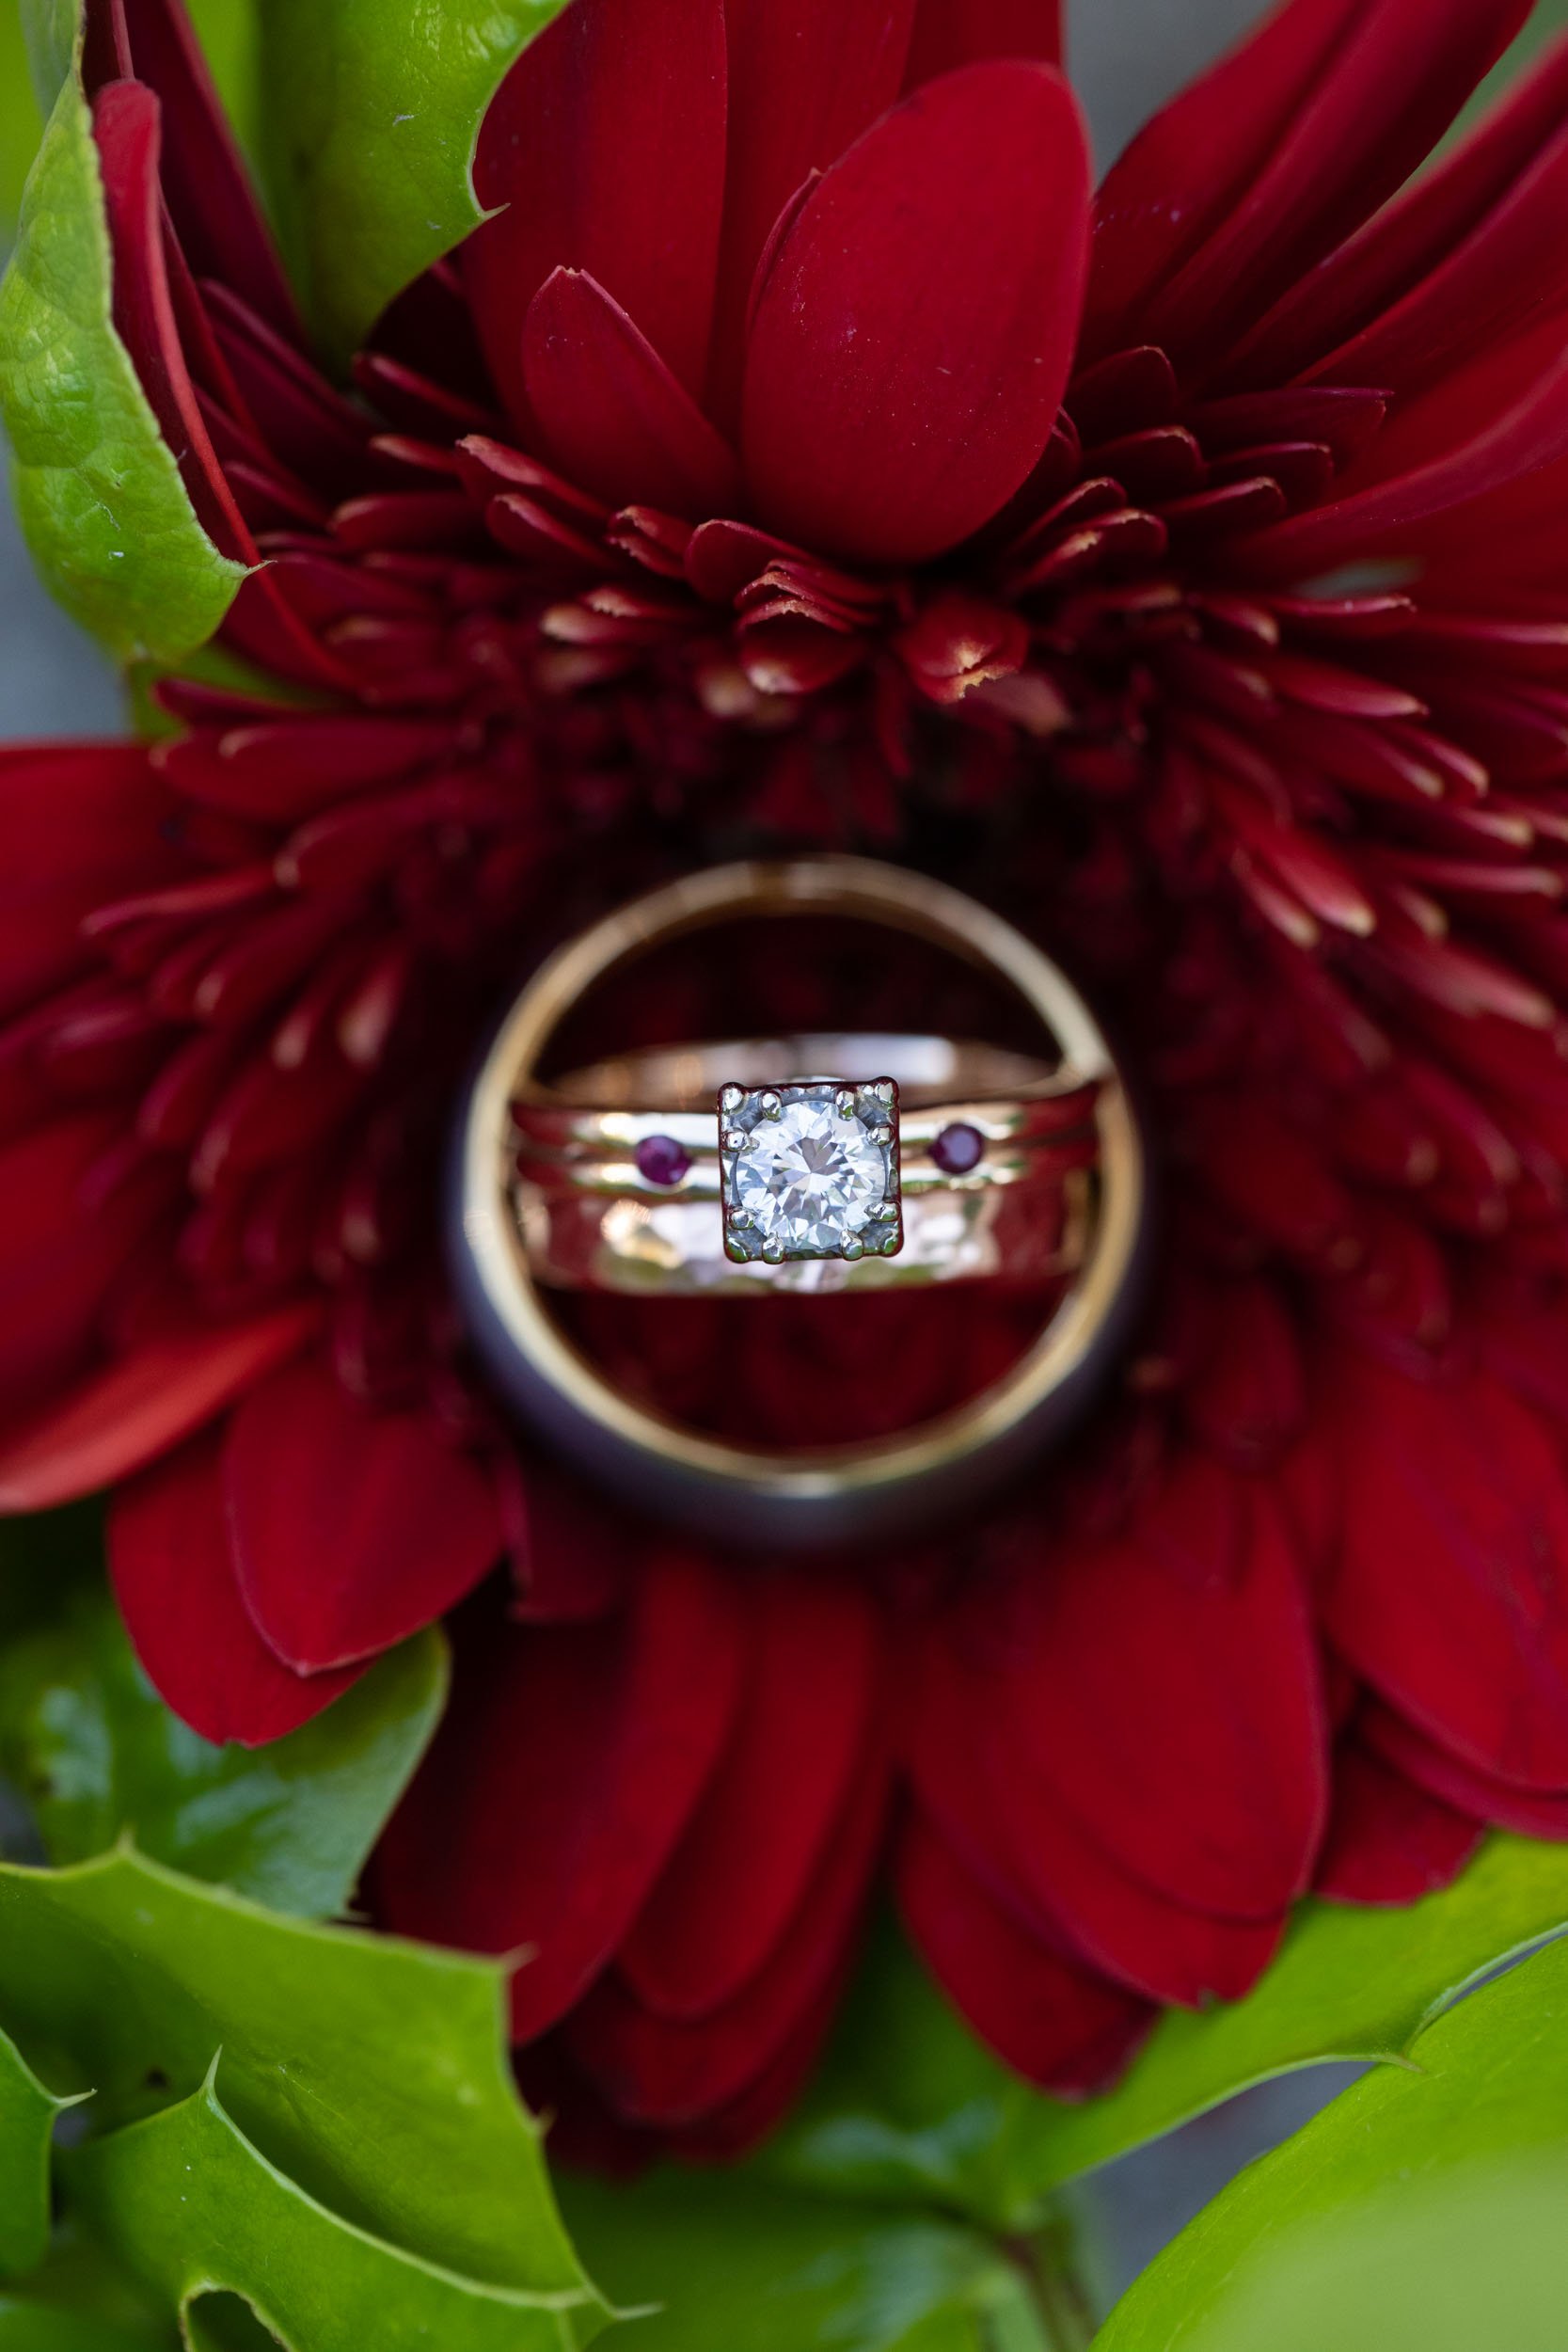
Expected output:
(1126, 57)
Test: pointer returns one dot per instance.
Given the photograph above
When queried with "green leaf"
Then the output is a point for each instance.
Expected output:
(93, 1749)
(733, 2263)
(371, 110)
(50, 29)
(192, 2206)
(909, 2104)
(1421, 2212)
(99, 497)
(19, 124)
(45, 1562)
(27, 2326)
(80, 2282)
(27, 2113)
(229, 38)
(374, 2074)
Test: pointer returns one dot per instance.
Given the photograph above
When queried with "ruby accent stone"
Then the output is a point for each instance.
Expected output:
(660, 1160)
(958, 1149)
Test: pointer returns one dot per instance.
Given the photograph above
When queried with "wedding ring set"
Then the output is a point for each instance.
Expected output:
(836, 1162)
(815, 1163)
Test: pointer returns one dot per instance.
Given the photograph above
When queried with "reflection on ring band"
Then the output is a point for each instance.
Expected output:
(619, 1180)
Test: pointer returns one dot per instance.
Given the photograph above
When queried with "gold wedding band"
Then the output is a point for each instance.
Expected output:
(666, 1172)
(539, 1166)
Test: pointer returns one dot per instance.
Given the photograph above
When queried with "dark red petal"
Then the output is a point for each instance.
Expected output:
(1292, 143)
(61, 1250)
(613, 415)
(605, 146)
(1056, 2023)
(127, 127)
(79, 823)
(800, 1737)
(1268, 1176)
(1194, 161)
(574, 1552)
(723, 558)
(1014, 1833)
(805, 82)
(1165, 1950)
(1521, 1340)
(1397, 296)
(896, 394)
(1166, 1688)
(1510, 453)
(205, 183)
(280, 770)
(731, 2130)
(565, 1771)
(1534, 1813)
(115, 1422)
(1450, 1595)
(1389, 1841)
(1245, 1400)
(950, 32)
(660, 2069)
(351, 1529)
(173, 1570)
(792, 657)
(263, 625)
(587, 2131)
(959, 641)
(303, 427)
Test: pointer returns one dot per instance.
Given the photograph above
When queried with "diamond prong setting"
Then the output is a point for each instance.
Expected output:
(810, 1169)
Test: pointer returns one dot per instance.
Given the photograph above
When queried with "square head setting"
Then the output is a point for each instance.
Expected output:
(810, 1169)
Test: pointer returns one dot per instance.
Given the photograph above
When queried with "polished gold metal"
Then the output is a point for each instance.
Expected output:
(830, 1494)
(591, 1219)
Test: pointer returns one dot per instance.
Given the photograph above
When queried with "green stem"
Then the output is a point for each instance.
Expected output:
(1049, 2261)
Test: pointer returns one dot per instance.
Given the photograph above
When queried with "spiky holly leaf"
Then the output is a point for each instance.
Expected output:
(371, 113)
(730, 2261)
(27, 2113)
(372, 2075)
(909, 2104)
(96, 1753)
(193, 2206)
(1421, 2212)
(98, 494)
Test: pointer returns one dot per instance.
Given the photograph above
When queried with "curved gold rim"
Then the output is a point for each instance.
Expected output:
(897, 899)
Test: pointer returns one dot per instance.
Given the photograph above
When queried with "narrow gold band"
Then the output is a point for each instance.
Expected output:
(830, 1493)
(591, 1218)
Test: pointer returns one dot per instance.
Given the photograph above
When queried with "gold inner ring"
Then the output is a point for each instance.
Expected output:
(591, 1219)
(895, 899)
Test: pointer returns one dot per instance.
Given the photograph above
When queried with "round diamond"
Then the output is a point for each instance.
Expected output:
(810, 1179)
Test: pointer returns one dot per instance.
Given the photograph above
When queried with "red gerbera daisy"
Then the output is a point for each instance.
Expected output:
(784, 458)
